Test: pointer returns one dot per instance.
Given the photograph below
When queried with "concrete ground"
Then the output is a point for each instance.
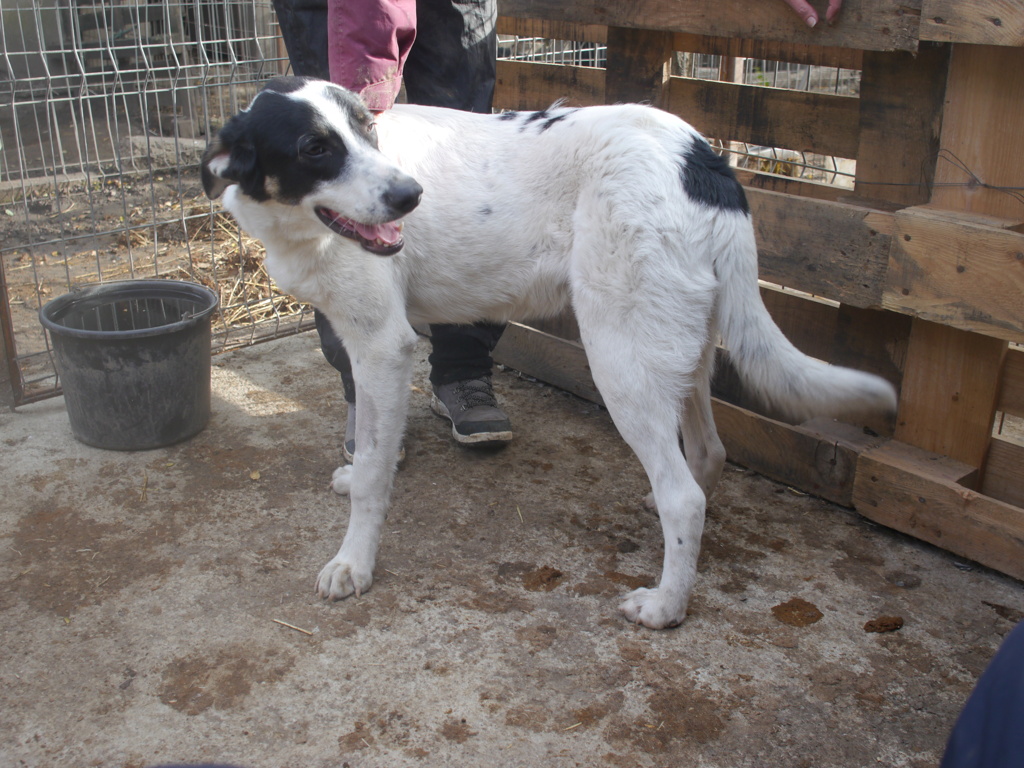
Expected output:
(158, 606)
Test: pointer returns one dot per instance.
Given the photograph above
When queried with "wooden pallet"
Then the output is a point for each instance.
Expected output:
(918, 275)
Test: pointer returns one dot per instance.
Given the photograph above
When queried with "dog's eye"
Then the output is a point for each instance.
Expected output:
(313, 148)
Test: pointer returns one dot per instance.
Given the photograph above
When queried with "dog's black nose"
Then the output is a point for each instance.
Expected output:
(403, 196)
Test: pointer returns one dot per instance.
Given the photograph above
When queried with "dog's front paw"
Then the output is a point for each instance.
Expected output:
(343, 577)
(341, 480)
(648, 607)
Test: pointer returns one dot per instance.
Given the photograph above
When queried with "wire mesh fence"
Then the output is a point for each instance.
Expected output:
(104, 112)
(105, 109)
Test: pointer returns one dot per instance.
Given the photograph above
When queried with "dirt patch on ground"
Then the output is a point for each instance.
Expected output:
(797, 613)
(193, 684)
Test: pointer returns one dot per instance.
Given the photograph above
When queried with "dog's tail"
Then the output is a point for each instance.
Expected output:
(798, 386)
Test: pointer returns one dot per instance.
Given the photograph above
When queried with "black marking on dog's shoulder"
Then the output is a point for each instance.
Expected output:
(533, 117)
(556, 118)
(485, 210)
(708, 179)
(546, 117)
(506, 116)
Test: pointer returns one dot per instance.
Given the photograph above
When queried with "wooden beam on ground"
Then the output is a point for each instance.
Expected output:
(923, 495)
(818, 457)
(772, 117)
(982, 22)
(880, 25)
(551, 359)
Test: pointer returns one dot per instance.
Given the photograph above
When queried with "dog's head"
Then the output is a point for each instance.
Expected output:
(313, 145)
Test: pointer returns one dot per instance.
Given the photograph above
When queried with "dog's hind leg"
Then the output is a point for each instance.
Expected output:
(644, 398)
(705, 454)
(382, 367)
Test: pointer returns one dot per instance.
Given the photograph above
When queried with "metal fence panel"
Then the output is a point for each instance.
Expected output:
(104, 112)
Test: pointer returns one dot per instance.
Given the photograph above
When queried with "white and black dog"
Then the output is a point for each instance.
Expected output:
(623, 212)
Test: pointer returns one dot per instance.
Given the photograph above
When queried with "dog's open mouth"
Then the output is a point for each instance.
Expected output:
(380, 239)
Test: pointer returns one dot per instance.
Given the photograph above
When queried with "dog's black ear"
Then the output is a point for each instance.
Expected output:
(216, 159)
(231, 159)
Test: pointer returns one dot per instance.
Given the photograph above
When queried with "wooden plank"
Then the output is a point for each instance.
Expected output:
(771, 117)
(950, 388)
(864, 24)
(1004, 472)
(773, 50)
(638, 65)
(980, 143)
(552, 30)
(1011, 393)
(834, 250)
(524, 85)
(952, 270)
(983, 22)
(819, 457)
(810, 325)
(875, 341)
(921, 494)
(553, 360)
(872, 340)
(901, 103)
(563, 326)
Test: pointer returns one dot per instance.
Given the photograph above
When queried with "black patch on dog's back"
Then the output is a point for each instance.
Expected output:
(708, 179)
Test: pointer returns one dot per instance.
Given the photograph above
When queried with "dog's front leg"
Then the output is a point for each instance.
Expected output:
(382, 366)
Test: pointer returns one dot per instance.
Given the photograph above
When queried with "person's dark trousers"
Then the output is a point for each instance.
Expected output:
(990, 730)
(304, 29)
(451, 64)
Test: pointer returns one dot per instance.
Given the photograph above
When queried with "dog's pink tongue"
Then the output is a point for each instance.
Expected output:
(389, 233)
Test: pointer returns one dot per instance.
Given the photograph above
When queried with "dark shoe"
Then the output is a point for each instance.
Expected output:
(348, 447)
(473, 411)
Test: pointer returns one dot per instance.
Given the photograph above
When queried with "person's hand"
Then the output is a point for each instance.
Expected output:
(810, 16)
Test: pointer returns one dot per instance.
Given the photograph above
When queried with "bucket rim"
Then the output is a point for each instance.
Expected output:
(145, 289)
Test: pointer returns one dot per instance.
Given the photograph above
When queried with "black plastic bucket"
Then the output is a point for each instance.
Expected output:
(134, 361)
